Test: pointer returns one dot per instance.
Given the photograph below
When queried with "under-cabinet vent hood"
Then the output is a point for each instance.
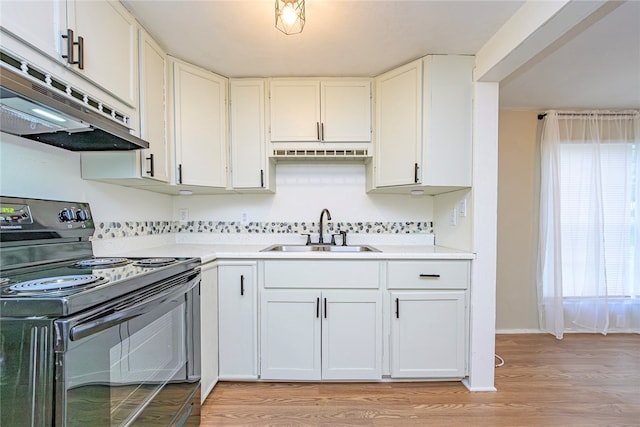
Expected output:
(34, 106)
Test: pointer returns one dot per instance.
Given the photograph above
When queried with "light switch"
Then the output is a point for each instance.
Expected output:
(462, 208)
(183, 214)
(453, 217)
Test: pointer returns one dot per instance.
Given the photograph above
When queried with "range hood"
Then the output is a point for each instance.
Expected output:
(32, 110)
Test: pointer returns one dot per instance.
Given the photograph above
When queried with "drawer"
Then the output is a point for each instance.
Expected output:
(441, 274)
(322, 274)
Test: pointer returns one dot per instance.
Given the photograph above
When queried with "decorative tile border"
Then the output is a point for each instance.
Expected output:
(113, 230)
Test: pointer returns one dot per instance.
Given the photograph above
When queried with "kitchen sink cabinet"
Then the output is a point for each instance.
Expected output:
(423, 126)
(428, 310)
(199, 126)
(250, 169)
(238, 322)
(321, 335)
(208, 329)
(331, 110)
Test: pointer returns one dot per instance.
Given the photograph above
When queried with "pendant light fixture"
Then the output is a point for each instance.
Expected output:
(290, 16)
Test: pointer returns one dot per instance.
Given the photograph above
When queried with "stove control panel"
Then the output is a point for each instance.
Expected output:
(15, 214)
(73, 214)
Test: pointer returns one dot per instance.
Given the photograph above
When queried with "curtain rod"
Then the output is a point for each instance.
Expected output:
(543, 115)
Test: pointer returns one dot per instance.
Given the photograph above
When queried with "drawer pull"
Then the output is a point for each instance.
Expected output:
(429, 276)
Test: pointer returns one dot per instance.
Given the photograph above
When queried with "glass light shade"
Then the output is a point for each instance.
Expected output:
(290, 16)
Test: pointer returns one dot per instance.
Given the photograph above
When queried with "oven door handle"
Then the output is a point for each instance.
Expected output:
(128, 312)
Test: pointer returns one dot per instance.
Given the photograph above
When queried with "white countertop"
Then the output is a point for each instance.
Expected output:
(211, 252)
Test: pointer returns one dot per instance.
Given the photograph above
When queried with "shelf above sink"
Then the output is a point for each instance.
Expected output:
(320, 248)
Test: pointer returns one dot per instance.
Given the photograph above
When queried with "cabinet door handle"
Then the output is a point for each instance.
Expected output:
(429, 276)
(261, 178)
(415, 173)
(241, 284)
(69, 39)
(318, 131)
(325, 308)
(180, 174)
(321, 131)
(318, 307)
(397, 308)
(80, 44)
(150, 171)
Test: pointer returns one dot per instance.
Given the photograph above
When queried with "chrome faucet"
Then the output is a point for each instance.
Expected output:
(321, 239)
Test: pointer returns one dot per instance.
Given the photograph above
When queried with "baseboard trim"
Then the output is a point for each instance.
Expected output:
(474, 389)
(520, 331)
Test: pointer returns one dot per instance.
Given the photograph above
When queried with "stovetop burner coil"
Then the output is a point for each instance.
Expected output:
(101, 262)
(59, 283)
(155, 262)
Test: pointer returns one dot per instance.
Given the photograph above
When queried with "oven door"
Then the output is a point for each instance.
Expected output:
(135, 360)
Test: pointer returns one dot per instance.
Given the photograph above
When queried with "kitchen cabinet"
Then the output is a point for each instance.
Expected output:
(140, 168)
(428, 318)
(423, 114)
(321, 320)
(153, 109)
(105, 52)
(250, 169)
(320, 110)
(200, 125)
(321, 335)
(238, 323)
(208, 329)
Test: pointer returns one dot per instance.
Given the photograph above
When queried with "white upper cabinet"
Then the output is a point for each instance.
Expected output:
(398, 123)
(250, 169)
(423, 113)
(110, 45)
(200, 126)
(153, 109)
(305, 110)
(95, 39)
(38, 23)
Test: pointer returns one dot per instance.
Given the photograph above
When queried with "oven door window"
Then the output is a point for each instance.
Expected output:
(111, 376)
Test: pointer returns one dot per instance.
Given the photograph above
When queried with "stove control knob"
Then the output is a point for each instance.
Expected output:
(82, 215)
(66, 215)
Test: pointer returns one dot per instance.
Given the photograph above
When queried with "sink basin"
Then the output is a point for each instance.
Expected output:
(319, 248)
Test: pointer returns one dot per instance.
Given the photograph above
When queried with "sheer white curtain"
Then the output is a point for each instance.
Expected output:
(588, 271)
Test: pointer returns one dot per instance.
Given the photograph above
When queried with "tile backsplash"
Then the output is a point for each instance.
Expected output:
(114, 230)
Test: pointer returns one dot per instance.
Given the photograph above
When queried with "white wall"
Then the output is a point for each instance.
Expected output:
(303, 190)
(447, 233)
(36, 170)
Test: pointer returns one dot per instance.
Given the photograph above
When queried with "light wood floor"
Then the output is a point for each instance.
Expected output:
(583, 380)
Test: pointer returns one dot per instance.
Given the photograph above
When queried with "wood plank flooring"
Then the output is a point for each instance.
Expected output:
(582, 380)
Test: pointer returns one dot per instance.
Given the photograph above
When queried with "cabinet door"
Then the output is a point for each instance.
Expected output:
(295, 110)
(110, 46)
(351, 335)
(428, 334)
(346, 111)
(248, 157)
(238, 322)
(153, 109)
(36, 22)
(200, 99)
(290, 335)
(208, 329)
(448, 87)
(399, 115)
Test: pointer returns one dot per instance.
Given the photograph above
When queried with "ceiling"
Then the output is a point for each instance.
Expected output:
(598, 68)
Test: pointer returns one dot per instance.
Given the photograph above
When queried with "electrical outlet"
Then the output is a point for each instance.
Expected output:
(183, 214)
(244, 218)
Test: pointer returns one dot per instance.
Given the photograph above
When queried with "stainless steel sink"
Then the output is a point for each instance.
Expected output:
(319, 248)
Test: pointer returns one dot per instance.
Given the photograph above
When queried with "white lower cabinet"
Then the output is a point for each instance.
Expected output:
(238, 321)
(208, 329)
(321, 335)
(428, 334)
